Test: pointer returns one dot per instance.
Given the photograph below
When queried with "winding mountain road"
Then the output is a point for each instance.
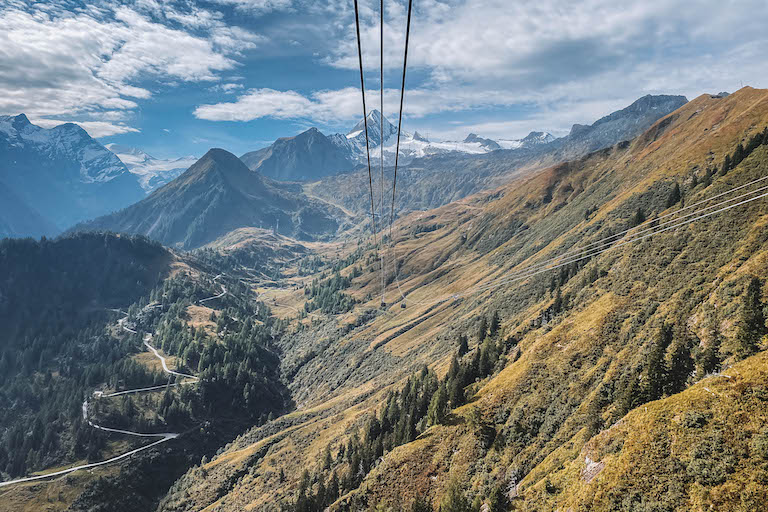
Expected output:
(164, 436)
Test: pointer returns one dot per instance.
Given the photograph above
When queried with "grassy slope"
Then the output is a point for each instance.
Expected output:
(538, 403)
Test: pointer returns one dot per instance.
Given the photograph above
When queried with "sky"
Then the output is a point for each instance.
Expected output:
(177, 77)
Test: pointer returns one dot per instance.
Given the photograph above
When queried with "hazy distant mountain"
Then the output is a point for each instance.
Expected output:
(307, 156)
(17, 219)
(62, 173)
(215, 196)
(150, 171)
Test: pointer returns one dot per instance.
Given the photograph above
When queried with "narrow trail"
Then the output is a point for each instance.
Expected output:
(164, 436)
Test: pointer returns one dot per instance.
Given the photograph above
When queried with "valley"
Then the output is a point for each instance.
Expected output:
(538, 330)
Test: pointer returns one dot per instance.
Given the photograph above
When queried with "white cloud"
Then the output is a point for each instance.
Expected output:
(257, 6)
(93, 62)
(96, 129)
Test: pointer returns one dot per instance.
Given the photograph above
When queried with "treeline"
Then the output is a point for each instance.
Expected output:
(424, 401)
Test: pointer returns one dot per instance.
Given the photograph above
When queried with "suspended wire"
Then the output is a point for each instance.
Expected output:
(554, 263)
(365, 123)
(654, 225)
(400, 119)
(381, 143)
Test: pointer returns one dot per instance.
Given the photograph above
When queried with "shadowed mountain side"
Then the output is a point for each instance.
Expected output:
(215, 196)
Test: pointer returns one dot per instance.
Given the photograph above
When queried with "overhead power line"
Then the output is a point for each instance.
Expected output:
(583, 253)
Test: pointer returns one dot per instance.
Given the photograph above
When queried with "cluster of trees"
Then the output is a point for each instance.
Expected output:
(327, 296)
(424, 401)
(741, 152)
(238, 367)
(674, 359)
(59, 345)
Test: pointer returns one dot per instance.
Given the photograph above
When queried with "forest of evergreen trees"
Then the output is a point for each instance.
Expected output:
(60, 344)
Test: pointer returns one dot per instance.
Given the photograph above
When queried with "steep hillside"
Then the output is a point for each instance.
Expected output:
(447, 176)
(62, 173)
(544, 361)
(216, 195)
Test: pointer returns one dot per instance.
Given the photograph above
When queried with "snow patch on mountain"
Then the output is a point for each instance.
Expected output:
(416, 145)
(69, 141)
(151, 172)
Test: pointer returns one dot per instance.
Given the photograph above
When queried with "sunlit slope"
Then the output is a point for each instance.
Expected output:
(564, 378)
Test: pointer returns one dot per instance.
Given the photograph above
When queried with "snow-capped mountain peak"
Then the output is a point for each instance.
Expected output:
(151, 172)
(376, 123)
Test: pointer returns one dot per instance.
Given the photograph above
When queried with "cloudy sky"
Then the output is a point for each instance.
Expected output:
(176, 77)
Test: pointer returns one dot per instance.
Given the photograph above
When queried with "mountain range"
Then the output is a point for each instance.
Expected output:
(216, 195)
(584, 335)
(311, 155)
(61, 174)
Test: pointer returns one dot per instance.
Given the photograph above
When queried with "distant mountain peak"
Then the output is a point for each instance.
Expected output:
(418, 136)
(375, 120)
(62, 172)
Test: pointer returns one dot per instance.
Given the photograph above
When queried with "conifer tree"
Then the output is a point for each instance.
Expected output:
(639, 217)
(655, 373)
(495, 324)
(726, 165)
(497, 501)
(752, 322)
(680, 366)
(438, 406)
(482, 329)
(453, 498)
(709, 358)
(674, 196)
(463, 345)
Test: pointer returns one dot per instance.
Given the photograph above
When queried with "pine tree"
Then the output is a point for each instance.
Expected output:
(482, 329)
(655, 373)
(495, 324)
(680, 366)
(438, 406)
(463, 345)
(674, 196)
(497, 501)
(639, 217)
(454, 499)
(726, 165)
(709, 358)
(752, 322)
(327, 459)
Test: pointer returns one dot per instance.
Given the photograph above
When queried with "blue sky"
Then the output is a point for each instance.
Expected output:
(176, 77)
